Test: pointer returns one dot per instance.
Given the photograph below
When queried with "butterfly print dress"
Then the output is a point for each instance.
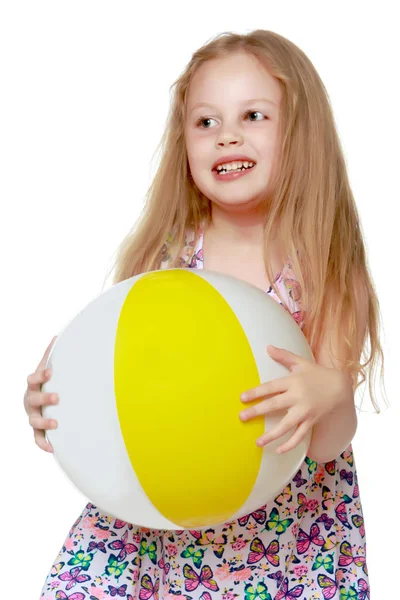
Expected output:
(307, 544)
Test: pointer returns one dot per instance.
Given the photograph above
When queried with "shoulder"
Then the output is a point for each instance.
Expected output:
(166, 256)
(290, 290)
(183, 254)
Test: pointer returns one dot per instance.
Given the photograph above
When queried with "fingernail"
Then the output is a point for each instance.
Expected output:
(54, 399)
(244, 415)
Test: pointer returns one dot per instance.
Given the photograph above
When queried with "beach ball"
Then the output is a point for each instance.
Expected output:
(149, 376)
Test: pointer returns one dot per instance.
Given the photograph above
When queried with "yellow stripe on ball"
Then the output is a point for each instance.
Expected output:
(181, 362)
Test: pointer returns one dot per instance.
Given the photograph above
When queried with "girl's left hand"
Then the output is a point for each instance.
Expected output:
(309, 393)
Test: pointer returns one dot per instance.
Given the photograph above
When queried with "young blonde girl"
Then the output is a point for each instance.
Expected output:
(289, 225)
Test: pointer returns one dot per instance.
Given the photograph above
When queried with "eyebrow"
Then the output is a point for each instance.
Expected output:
(244, 102)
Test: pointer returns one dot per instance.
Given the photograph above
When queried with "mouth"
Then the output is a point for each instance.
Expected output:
(220, 171)
(241, 161)
(232, 174)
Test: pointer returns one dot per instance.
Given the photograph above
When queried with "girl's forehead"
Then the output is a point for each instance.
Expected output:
(201, 100)
(228, 80)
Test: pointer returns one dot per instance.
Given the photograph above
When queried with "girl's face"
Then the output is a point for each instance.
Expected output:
(238, 115)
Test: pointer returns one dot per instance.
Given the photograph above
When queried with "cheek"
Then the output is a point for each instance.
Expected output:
(199, 143)
(271, 146)
(266, 143)
(199, 157)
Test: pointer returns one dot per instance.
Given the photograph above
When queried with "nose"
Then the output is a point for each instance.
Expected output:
(230, 139)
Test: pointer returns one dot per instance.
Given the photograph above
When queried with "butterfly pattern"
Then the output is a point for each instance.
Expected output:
(307, 543)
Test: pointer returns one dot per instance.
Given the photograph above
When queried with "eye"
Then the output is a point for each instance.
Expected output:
(255, 112)
(249, 112)
(200, 121)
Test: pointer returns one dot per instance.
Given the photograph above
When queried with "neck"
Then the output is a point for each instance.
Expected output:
(246, 229)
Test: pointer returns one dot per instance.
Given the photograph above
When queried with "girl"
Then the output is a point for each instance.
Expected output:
(253, 183)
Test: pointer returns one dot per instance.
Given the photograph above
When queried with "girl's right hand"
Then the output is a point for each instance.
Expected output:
(34, 399)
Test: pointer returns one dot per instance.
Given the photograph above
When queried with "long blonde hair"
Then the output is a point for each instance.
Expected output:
(310, 203)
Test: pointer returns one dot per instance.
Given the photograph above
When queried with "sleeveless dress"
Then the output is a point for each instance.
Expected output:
(307, 544)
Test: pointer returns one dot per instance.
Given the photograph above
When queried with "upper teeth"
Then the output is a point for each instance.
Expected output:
(234, 165)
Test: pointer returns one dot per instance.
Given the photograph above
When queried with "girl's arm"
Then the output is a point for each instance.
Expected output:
(318, 395)
(335, 431)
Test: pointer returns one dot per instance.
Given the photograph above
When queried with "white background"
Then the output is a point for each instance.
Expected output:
(83, 102)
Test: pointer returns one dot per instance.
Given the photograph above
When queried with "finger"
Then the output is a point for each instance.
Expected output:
(43, 361)
(267, 406)
(288, 359)
(297, 437)
(38, 377)
(275, 386)
(41, 441)
(278, 431)
(39, 422)
(37, 399)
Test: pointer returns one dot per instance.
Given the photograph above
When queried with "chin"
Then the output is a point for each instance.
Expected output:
(239, 204)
